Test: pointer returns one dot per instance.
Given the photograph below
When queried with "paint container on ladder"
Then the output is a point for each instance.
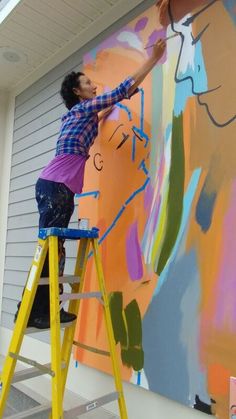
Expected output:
(83, 224)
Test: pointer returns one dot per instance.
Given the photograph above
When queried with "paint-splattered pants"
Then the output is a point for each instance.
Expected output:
(55, 205)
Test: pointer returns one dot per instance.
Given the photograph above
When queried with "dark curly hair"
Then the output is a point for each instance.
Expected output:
(70, 81)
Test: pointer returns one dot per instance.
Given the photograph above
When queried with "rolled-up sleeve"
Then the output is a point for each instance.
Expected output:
(107, 99)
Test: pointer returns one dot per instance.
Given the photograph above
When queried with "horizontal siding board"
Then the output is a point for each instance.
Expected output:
(13, 292)
(15, 278)
(7, 320)
(28, 250)
(54, 115)
(16, 196)
(22, 221)
(48, 133)
(38, 99)
(27, 180)
(24, 207)
(22, 235)
(32, 164)
(22, 263)
(45, 106)
(9, 305)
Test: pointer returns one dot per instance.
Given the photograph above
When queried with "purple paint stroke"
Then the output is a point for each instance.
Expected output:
(108, 43)
(225, 315)
(153, 38)
(156, 213)
(133, 254)
(141, 24)
(148, 197)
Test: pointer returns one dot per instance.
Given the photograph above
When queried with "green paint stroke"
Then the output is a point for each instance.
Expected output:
(116, 309)
(175, 194)
(127, 327)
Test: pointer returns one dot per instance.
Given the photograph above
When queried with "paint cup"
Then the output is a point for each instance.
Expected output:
(83, 224)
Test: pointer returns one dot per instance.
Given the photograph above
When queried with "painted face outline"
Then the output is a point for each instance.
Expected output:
(200, 94)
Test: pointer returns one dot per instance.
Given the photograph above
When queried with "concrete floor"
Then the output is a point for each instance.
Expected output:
(21, 399)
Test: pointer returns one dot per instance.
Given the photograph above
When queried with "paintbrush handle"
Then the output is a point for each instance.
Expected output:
(165, 39)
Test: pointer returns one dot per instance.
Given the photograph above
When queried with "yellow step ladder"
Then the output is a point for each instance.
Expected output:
(60, 355)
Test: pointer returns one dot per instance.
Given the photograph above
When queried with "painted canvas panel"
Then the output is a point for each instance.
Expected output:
(161, 186)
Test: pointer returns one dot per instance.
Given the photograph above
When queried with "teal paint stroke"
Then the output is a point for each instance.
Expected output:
(190, 82)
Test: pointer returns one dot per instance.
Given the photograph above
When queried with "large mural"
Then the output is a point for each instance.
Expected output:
(161, 186)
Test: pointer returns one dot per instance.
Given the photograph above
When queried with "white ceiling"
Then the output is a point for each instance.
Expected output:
(37, 31)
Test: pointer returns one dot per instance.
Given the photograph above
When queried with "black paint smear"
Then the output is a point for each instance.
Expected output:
(125, 138)
(121, 125)
(138, 137)
(94, 162)
(202, 406)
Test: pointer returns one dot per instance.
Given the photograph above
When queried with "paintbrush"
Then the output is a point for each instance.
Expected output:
(165, 39)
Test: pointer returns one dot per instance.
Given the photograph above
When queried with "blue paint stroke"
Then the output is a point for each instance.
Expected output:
(230, 7)
(139, 378)
(76, 364)
(143, 167)
(168, 132)
(141, 134)
(93, 193)
(133, 147)
(126, 109)
(205, 208)
(142, 108)
(187, 204)
(113, 224)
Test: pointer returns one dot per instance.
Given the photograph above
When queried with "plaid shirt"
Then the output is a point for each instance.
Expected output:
(80, 125)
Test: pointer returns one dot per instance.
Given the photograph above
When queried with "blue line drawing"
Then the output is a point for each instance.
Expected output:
(92, 193)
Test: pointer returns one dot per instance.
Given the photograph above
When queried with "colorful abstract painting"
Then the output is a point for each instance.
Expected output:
(161, 186)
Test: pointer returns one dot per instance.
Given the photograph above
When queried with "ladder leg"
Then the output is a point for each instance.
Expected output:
(22, 320)
(80, 268)
(57, 402)
(114, 358)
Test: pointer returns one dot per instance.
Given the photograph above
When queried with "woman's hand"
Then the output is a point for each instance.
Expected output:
(158, 49)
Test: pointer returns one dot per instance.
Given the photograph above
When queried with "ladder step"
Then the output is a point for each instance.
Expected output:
(31, 330)
(87, 407)
(31, 412)
(66, 279)
(43, 368)
(80, 296)
(68, 233)
(28, 373)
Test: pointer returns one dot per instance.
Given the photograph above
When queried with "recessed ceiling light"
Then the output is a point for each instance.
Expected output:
(11, 56)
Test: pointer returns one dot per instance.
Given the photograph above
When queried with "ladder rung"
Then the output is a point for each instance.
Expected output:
(44, 369)
(80, 296)
(87, 407)
(31, 330)
(29, 413)
(28, 373)
(66, 279)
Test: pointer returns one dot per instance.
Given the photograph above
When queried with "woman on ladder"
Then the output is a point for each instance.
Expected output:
(63, 177)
